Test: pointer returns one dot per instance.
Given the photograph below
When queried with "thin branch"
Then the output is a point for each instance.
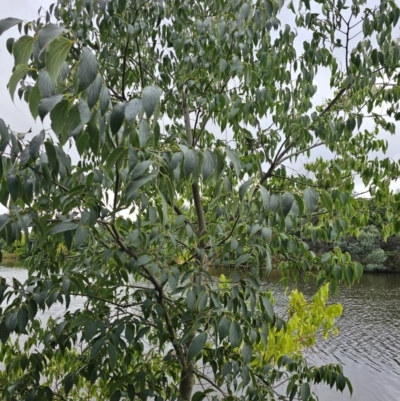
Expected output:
(124, 69)
(140, 63)
(215, 385)
(280, 161)
(230, 233)
(334, 101)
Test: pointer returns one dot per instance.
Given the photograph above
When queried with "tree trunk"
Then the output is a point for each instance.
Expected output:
(187, 382)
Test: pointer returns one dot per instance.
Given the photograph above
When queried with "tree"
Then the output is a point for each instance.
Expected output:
(366, 249)
(185, 116)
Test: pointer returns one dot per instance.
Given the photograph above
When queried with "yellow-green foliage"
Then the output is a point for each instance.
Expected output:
(306, 320)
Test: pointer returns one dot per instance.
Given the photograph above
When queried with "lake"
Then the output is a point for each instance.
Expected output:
(368, 345)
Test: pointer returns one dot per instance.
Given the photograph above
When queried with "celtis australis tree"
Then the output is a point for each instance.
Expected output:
(183, 115)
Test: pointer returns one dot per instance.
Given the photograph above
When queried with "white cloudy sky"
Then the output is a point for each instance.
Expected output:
(17, 114)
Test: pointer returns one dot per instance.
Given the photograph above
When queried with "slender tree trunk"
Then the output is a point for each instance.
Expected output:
(187, 382)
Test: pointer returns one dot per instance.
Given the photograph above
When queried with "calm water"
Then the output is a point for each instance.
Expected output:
(368, 345)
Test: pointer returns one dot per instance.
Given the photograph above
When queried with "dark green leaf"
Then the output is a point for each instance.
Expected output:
(22, 49)
(310, 199)
(47, 104)
(56, 54)
(3, 220)
(136, 184)
(132, 109)
(59, 115)
(61, 227)
(208, 164)
(235, 334)
(34, 99)
(19, 73)
(93, 91)
(96, 348)
(112, 355)
(8, 23)
(286, 202)
(35, 144)
(150, 98)
(234, 159)
(80, 236)
(191, 159)
(13, 186)
(48, 33)
(87, 69)
(117, 117)
(305, 392)
(196, 346)
(46, 84)
(223, 327)
(144, 133)
(104, 100)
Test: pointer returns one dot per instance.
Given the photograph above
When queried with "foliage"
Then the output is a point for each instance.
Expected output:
(366, 249)
(184, 116)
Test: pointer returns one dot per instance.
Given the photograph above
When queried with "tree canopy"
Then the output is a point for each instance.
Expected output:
(186, 116)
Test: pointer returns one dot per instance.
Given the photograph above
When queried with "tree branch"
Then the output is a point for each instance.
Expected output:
(124, 69)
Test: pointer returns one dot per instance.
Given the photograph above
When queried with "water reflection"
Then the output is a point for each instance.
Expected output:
(368, 343)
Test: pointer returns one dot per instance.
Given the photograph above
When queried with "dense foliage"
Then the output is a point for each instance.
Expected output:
(184, 116)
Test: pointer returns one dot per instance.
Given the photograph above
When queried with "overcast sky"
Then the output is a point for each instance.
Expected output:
(17, 114)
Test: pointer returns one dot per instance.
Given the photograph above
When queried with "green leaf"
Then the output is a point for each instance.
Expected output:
(62, 227)
(265, 197)
(93, 91)
(46, 84)
(4, 219)
(305, 392)
(84, 111)
(151, 96)
(140, 168)
(90, 329)
(13, 186)
(268, 308)
(286, 202)
(196, 346)
(117, 117)
(242, 259)
(132, 109)
(247, 353)
(191, 158)
(22, 319)
(97, 346)
(104, 100)
(274, 202)
(8, 23)
(56, 54)
(136, 184)
(112, 355)
(34, 99)
(48, 33)
(208, 164)
(118, 154)
(310, 196)
(144, 133)
(87, 69)
(243, 188)
(327, 200)
(223, 327)
(235, 334)
(35, 144)
(47, 104)
(234, 159)
(59, 115)
(9, 44)
(80, 236)
(19, 73)
(22, 49)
